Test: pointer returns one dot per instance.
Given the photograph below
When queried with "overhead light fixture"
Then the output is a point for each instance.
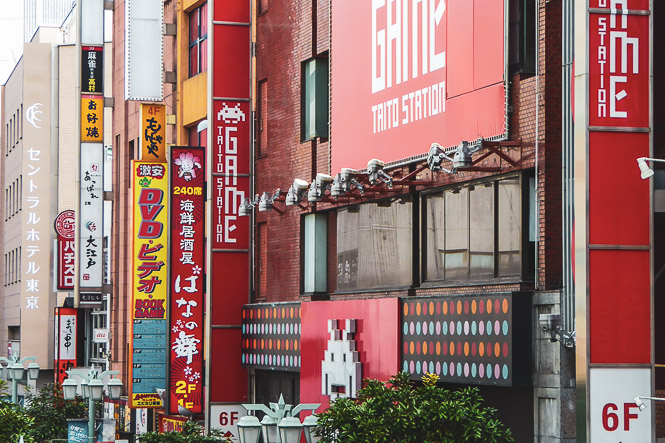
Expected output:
(641, 405)
(318, 187)
(247, 205)
(343, 181)
(376, 173)
(645, 169)
(462, 155)
(296, 192)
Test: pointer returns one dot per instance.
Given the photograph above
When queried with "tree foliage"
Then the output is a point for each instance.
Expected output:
(191, 432)
(44, 418)
(14, 423)
(50, 412)
(399, 411)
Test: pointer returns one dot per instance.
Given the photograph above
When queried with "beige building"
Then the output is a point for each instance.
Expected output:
(39, 136)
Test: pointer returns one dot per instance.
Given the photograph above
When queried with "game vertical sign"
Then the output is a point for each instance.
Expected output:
(150, 286)
(187, 278)
(229, 141)
(65, 341)
(619, 218)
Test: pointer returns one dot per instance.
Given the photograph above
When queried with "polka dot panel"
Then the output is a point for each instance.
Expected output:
(462, 339)
(271, 336)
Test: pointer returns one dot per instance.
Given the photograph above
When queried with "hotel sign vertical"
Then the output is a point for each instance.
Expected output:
(229, 142)
(618, 217)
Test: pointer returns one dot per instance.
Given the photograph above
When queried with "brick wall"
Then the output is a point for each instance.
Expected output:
(287, 35)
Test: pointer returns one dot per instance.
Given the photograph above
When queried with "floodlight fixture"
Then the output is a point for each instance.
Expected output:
(318, 187)
(267, 200)
(343, 181)
(296, 192)
(376, 173)
(645, 169)
(247, 205)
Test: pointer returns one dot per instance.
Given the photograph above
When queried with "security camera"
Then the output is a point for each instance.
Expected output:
(376, 173)
(296, 192)
(318, 187)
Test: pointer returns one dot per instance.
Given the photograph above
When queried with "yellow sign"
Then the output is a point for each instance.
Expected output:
(153, 132)
(150, 283)
(92, 118)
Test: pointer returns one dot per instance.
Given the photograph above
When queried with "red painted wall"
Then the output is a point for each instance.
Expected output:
(377, 340)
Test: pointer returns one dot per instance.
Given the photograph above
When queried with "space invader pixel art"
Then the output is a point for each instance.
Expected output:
(341, 371)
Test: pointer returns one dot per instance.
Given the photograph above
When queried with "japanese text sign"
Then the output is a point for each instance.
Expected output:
(92, 215)
(153, 132)
(187, 264)
(92, 118)
(65, 342)
(64, 227)
(149, 289)
(92, 69)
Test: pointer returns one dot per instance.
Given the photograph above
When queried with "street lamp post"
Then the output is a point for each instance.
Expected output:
(280, 424)
(92, 389)
(15, 371)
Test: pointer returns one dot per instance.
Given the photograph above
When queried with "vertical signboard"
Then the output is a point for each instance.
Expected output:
(144, 49)
(64, 227)
(92, 118)
(618, 219)
(65, 341)
(92, 70)
(149, 286)
(229, 140)
(187, 278)
(91, 217)
(153, 132)
(37, 302)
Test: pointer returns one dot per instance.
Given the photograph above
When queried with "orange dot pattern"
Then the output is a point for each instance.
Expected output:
(271, 336)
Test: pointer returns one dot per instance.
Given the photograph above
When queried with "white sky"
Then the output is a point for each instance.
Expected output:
(11, 36)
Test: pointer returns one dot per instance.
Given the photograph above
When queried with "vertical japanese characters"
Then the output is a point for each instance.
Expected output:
(150, 286)
(64, 227)
(92, 207)
(187, 264)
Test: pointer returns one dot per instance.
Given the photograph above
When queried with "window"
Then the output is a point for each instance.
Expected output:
(315, 253)
(374, 245)
(198, 136)
(198, 34)
(315, 98)
(262, 118)
(474, 232)
(522, 36)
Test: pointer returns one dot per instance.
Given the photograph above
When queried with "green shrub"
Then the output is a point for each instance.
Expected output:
(398, 411)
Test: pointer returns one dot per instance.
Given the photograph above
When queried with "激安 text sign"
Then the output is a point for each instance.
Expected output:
(414, 72)
(150, 283)
(187, 278)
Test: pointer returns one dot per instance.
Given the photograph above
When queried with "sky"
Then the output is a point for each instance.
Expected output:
(11, 36)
